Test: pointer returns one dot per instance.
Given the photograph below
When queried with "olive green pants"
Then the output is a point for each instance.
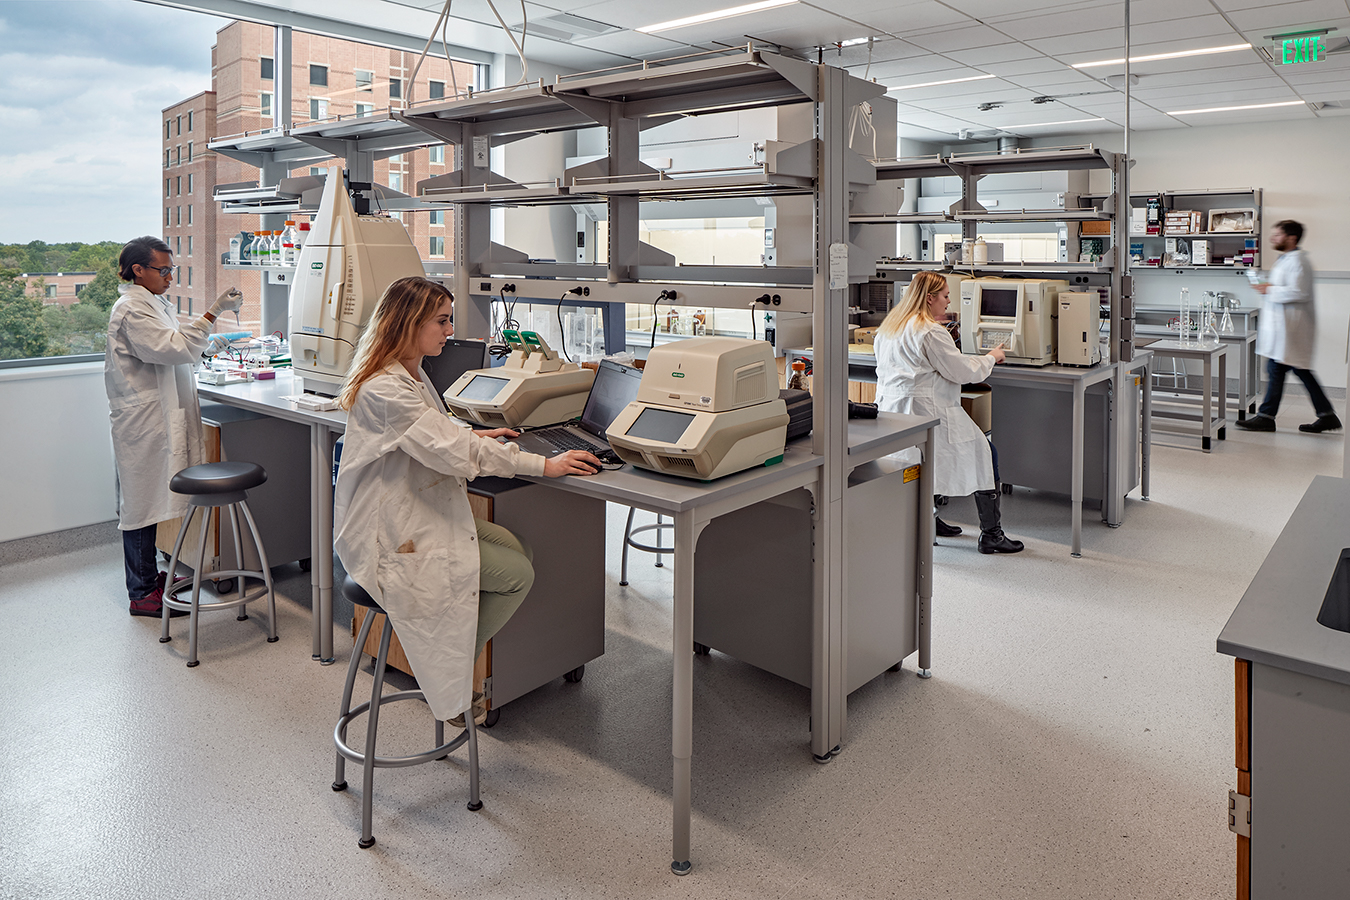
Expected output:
(507, 576)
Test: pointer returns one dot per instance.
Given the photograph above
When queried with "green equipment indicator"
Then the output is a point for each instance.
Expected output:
(1295, 50)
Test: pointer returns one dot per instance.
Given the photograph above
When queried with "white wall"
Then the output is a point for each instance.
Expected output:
(56, 463)
(1301, 168)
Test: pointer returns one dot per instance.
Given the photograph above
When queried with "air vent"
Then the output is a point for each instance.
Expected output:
(750, 383)
(879, 296)
(566, 27)
(677, 462)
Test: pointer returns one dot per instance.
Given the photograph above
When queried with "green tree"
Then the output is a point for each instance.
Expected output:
(23, 333)
(92, 257)
(102, 291)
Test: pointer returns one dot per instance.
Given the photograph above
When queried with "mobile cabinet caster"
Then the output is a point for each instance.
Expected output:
(701, 649)
(225, 586)
(576, 674)
(493, 716)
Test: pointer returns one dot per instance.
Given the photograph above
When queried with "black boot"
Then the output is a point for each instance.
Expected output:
(992, 538)
(945, 530)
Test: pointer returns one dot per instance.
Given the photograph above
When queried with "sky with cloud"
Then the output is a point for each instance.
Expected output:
(82, 85)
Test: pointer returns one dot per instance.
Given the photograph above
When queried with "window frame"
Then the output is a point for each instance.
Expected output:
(265, 105)
(431, 246)
(265, 63)
(436, 154)
(435, 89)
(368, 85)
(314, 107)
(317, 70)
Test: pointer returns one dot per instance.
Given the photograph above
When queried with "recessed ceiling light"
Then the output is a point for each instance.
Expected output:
(1204, 51)
(905, 87)
(853, 42)
(1189, 112)
(1047, 124)
(714, 16)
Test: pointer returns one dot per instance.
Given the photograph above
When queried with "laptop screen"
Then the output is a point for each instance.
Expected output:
(615, 387)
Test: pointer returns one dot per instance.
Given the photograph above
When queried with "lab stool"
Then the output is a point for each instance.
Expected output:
(209, 486)
(368, 760)
(629, 531)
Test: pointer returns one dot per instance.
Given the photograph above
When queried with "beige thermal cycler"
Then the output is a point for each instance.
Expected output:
(707, 407)
(532, 388)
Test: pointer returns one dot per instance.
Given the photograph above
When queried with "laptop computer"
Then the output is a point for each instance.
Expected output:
(615, 387)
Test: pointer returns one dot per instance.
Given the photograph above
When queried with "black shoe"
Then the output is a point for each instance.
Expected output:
(1328, 422)
(997, 542)
(1261, 423)
(945, 530)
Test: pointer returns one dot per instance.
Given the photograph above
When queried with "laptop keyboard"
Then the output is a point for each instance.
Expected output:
(566, 440)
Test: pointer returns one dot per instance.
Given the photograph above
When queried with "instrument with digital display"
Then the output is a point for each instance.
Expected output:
(707, 407)
(532, 388)
(1017, 313)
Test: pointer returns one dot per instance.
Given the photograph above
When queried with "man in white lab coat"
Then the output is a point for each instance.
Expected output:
(152, 400)
(1287, 332)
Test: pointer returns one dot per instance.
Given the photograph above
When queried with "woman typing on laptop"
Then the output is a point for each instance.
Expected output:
(402, 523)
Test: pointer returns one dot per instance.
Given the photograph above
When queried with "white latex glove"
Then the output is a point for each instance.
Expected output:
(217, 344)
(229, 301)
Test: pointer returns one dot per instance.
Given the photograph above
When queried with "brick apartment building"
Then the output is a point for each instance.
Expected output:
(56, 287)
(329, 78)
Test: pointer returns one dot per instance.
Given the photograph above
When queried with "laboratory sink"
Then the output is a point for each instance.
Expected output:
(1335, 612)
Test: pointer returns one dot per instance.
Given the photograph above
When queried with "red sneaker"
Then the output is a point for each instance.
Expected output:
(152, 605)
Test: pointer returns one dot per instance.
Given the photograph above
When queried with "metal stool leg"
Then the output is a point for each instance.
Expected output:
(266, 573)
(173, 572)
(474, 803)
(240, 582)
(195, 613)
(372, 727)
(623, 566)
(660, 519)
(340, 773)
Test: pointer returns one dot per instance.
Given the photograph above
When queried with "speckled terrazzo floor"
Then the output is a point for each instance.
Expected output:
(1075, 742)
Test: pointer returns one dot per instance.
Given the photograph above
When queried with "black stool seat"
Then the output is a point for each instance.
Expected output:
(358, 595)
(218, 478)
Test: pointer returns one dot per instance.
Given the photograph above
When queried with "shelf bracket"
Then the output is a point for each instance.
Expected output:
(598, 111)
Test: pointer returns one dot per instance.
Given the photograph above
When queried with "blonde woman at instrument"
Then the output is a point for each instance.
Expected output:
(920, 372)
(401, 518)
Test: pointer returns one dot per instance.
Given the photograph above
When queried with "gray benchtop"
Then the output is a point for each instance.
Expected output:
(1275, 622)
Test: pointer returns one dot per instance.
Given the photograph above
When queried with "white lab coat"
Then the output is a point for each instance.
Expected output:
(404, 530)
(152, 400)
(1287, 327)
(920, 372)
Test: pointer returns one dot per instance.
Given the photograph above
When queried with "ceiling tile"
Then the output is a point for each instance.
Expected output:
(1059, 25)
(904, 19)
(1196, 28)
(631, 43)
(963, 38)
(1013, 51)
(1143, 12)
(1017, 68)
(1288, 15)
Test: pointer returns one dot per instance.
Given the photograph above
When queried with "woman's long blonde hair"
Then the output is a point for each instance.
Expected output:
(913, 304)
(391, 333)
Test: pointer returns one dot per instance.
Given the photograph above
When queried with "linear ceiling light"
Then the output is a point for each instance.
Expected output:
(1045, 124)
(1156, 56)
(905, 87)
(714, 16)
(1189, 112)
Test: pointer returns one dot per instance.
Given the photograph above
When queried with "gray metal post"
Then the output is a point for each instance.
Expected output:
(281, 76)
(473, 247)
(830, 411)
(275, 299)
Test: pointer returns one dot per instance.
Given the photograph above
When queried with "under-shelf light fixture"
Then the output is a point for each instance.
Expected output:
(1203, 51)
(714, 15)
(1191, 112)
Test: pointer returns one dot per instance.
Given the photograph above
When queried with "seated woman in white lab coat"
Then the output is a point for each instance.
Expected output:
(920, 371)
(401, 518)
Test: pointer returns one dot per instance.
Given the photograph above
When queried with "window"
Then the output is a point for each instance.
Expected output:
(189, 215)
(364, 79)
(179, 298)
(189, 156)
(189, 182)
(364, 109)
(189, 274)
(79, 286)
(189, 121)
(178, 125)
(178, 246)
(178, 215)
(438, 217)
(189, 241)
(437, 154)
(318, 75)
(166, 217)
(318, 109)
(189, 306)
(436, 90)
(51, 291)
(395, 92)
(396, 181)
(396, 159)
(316, 170)
(438, 246)
(166, 129)
(265, 104)
(178, 155)
(179, 183)
(168, 187)
(266, 63)
(166, 159)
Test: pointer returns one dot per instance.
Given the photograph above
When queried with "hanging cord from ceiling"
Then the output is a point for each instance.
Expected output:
(442, 24)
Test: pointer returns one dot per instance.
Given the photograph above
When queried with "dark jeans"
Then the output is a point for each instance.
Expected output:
(1276, 371)
(138, 551)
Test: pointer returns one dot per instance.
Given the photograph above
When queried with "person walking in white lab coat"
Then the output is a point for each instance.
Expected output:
(920, 372)
(1287, 331)
(404, 530)
(152, 399)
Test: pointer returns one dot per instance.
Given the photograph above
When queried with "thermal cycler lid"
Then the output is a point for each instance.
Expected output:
(713, 374)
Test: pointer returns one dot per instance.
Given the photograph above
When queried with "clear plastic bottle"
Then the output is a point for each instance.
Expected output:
(276, 247)
(290, 248)
(301, 236)
(235, 248)
(797, 382)
(262, 251)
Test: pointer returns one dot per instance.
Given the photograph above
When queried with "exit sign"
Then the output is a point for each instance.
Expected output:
(1295, 50)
